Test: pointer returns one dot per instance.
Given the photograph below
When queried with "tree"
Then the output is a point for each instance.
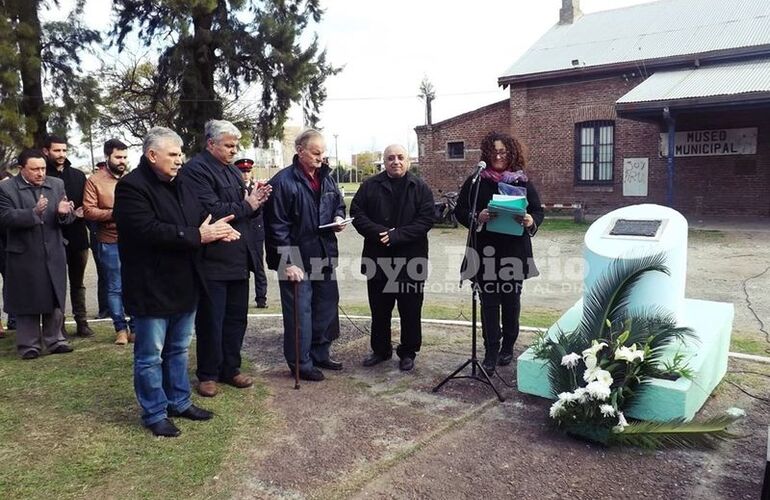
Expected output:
(134, 103)
(366, 160)
(427, 94)
(136, 100)
(220, 47)
(12, 133)
(46, 57)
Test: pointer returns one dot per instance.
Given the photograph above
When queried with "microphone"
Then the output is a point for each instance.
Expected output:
(479, 167)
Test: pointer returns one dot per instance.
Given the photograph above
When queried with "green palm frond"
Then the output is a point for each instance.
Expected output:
(675, 433)
(560, 377)
(655, 325)
(608, 297)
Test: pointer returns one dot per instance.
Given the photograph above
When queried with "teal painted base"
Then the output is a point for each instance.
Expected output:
(664, 399)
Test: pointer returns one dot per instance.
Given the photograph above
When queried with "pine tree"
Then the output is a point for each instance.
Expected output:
(39, 75)
(217, 48)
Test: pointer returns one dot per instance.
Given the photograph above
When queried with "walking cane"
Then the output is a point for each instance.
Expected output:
(296, 335)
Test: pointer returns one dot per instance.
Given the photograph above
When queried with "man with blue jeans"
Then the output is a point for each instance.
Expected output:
(161, 228)
(98, 201)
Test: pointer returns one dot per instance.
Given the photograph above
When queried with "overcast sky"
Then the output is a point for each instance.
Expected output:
(387, 47)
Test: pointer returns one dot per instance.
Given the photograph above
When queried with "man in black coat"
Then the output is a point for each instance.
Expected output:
(222, 314)
(393, 211)
(304, 254)
(161, 227)
(257, 235)
(33, 210)
(75, 234)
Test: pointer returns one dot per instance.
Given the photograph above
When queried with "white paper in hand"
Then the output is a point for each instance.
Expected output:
(336, 224)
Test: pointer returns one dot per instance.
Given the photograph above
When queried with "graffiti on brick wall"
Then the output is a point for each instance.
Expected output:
(635, 175)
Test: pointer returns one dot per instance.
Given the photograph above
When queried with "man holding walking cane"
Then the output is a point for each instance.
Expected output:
(305, 198)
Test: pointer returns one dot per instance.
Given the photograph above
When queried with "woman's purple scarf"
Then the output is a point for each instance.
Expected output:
(505, 176)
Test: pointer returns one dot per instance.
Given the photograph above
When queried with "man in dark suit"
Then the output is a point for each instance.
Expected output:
(161, 227)
(393, 211)
(220, 324)
(33, 210)
(75, 234)
(257, 235)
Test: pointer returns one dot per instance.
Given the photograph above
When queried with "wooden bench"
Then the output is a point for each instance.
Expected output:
(578, 209)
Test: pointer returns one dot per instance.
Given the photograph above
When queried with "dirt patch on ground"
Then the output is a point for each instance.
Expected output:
(380, 433)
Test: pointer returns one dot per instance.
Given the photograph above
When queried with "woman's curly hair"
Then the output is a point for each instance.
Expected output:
(516, 154)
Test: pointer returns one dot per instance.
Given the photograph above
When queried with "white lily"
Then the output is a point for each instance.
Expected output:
(595, 348)
(590, 374)
(604, 377)
(629, 354)
(590, 361)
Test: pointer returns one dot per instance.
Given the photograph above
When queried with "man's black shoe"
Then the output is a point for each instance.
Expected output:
(375, 359)
(489, 363)
(164, 428)
(103, 315)
(30, 355)
(62, 349)
(328, 364)
(405, 364)
(11, 325)
(505, 359)
(261, 304)
(314, 375)
(192, 413)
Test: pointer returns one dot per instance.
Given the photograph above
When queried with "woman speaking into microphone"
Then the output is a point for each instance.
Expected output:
(504, 257)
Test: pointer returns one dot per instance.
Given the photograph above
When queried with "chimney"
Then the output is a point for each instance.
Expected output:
(570, 11)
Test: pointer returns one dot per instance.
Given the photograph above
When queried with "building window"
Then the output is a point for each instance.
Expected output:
(594, 152)
(455, 150)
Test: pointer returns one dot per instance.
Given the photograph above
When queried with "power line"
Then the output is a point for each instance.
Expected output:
(397, 97)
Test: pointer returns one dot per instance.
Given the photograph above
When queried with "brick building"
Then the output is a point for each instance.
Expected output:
(595, 100)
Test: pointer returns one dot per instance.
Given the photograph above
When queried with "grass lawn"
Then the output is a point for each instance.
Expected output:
(71, 428)
(349, 187)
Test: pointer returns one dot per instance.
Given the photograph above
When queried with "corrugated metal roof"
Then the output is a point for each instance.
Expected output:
(648, 31)
(708, 81)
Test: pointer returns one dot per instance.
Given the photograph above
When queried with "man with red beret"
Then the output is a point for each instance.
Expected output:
(258, 238)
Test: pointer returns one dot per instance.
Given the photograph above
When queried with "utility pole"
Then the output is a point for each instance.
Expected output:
(337, 157)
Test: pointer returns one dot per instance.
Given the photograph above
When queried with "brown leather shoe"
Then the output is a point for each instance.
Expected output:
(121, 338)
(240, 381)
(208, 388)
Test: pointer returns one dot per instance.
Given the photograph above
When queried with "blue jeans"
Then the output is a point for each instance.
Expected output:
(317, 313)
(109, 261)
(160, 364)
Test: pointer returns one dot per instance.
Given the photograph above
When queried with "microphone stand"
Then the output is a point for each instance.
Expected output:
(470, 243)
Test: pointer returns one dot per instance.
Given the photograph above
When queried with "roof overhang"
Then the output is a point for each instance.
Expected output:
(738, 85)
(580, 72)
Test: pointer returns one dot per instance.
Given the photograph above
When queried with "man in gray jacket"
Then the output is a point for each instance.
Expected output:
(33, 209)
